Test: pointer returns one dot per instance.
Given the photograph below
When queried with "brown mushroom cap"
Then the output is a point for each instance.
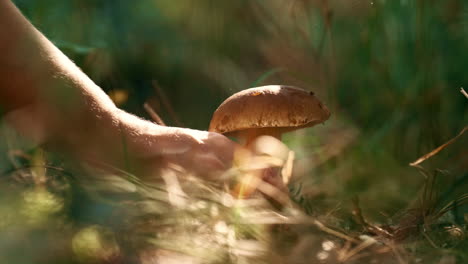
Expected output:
(274, 106)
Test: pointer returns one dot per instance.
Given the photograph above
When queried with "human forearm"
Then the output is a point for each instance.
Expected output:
(52, 101)
(47, 97)
(34, 70)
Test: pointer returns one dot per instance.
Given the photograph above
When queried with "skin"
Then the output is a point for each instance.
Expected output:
(48, 99)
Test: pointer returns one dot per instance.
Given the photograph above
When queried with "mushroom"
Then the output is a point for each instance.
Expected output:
(267, 111)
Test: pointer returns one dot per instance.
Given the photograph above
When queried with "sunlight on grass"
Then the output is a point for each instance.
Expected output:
(39, 205)
(95, 244)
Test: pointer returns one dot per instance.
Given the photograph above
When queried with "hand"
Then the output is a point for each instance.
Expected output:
(153, 147)
(203, 153)
(85, 122)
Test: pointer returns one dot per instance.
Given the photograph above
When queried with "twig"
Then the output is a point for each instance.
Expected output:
(156, 118)
(464, 92)
(437, 150)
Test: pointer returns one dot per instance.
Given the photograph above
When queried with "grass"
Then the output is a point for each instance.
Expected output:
(90, 216)
(390, 73)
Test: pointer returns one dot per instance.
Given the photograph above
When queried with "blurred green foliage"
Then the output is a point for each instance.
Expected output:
(393, 67)
(390, 71)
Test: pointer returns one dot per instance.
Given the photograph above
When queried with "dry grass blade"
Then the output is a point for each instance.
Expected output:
(463, 199)
(156, 118)
(330, 231)
(362, 221)
(165, 101)
(430, 240)
(274, 193)
(271, 218)
(398, 252)
(437, 150)
(464, 92)
(368, 241)
(287, 170)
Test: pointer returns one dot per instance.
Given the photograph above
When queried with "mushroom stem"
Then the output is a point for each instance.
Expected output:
(271, 175)
(248, 136)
